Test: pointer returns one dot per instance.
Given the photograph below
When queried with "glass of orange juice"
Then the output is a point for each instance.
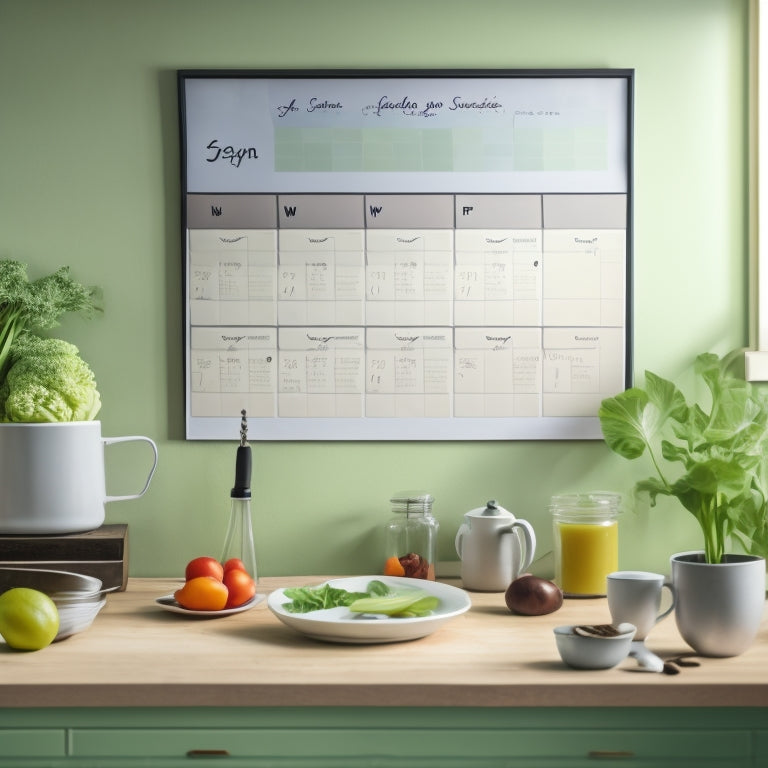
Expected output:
(586, 537)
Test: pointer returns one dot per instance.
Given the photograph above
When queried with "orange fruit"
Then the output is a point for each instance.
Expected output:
(393, 567)
(202, 593)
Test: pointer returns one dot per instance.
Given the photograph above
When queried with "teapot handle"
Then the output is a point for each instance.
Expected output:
(529, 543)
(463, 528)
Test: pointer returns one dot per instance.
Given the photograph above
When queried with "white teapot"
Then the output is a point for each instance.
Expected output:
(494, 548)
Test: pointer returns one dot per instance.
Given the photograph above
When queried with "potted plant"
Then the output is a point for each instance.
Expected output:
(712, 459)
(51, 448)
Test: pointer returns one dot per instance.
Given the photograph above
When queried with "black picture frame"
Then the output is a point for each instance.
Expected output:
(210, 99)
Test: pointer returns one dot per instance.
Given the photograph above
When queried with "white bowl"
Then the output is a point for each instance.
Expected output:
(58, 585)
(78, 598)
(592, 652)
(77, 617)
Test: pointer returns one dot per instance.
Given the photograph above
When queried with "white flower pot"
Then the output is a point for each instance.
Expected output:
(718, 607)
(52, 477)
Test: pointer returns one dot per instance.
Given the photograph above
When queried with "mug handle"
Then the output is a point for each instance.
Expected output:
(110, 440)
(668, 585)
(529, 543)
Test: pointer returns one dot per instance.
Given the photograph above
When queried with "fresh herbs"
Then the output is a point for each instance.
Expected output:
(378, 598)
(719, 455)
(39, 304)
(25, 308)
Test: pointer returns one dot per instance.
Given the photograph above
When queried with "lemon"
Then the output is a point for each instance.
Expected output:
(29, 619)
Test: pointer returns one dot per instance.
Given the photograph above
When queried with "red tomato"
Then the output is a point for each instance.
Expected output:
(240, 585)
(235, 563)
(204, 566)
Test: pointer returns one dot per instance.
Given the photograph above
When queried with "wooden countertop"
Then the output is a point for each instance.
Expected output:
(136, 654)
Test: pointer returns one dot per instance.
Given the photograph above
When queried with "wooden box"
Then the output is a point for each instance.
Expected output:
(102, 553)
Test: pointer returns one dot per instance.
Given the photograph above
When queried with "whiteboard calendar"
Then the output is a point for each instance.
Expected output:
(405, 256)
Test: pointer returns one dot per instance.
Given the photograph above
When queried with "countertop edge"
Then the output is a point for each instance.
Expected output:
(288, 695)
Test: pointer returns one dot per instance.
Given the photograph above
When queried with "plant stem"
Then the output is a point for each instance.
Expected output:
(10, 327)
(713, 529)
(657, 467)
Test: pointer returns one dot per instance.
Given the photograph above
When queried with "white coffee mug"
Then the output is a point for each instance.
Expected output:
(635, 597)
(52, 477)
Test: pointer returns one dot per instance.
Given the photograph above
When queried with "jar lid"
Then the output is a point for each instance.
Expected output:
(599, 504)
(411, 501)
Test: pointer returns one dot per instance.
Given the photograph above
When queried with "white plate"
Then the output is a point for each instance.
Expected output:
(168, 603)
(340, 625)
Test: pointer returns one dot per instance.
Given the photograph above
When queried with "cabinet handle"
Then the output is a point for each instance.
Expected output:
(208, 753)
(608, 754)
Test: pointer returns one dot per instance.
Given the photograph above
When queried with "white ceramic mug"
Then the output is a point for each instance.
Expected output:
(52, 477)
(635, 597)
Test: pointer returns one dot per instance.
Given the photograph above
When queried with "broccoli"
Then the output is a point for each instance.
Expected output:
(47, 381)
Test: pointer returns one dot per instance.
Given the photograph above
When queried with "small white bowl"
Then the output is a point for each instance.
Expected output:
(592, 652)
(75, 618)
(78, 597)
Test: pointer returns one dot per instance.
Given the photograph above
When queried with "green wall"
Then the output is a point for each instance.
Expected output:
(89, 176)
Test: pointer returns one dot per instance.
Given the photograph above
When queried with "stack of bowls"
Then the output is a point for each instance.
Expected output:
(78, 598)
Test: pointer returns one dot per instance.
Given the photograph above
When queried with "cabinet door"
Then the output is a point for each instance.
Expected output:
(32, 742)
(761, 749)
(423, 747)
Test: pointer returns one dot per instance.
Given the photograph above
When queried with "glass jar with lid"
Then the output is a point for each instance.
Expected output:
(586, 538)
(411, 536)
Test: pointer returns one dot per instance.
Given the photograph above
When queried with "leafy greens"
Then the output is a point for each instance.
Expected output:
(721, 452)
(378, 598)
(47, 381)
(306, 599)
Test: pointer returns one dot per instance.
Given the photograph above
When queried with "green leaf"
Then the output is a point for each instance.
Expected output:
(715, 476)
(672, 452)
(747, 514)
(306, 599)
(667, 398)
(379, 588)
(623, 422)
(422, 607)
(654, 487)
(631, 420)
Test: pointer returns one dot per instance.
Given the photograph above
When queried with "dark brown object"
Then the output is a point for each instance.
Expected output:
(672, 666)
(533, 596)
(415, 566)
(102, 553)
(596, 630)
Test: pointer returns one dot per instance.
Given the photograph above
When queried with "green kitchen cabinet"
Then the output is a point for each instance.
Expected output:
(31, 742)
(337, 737)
